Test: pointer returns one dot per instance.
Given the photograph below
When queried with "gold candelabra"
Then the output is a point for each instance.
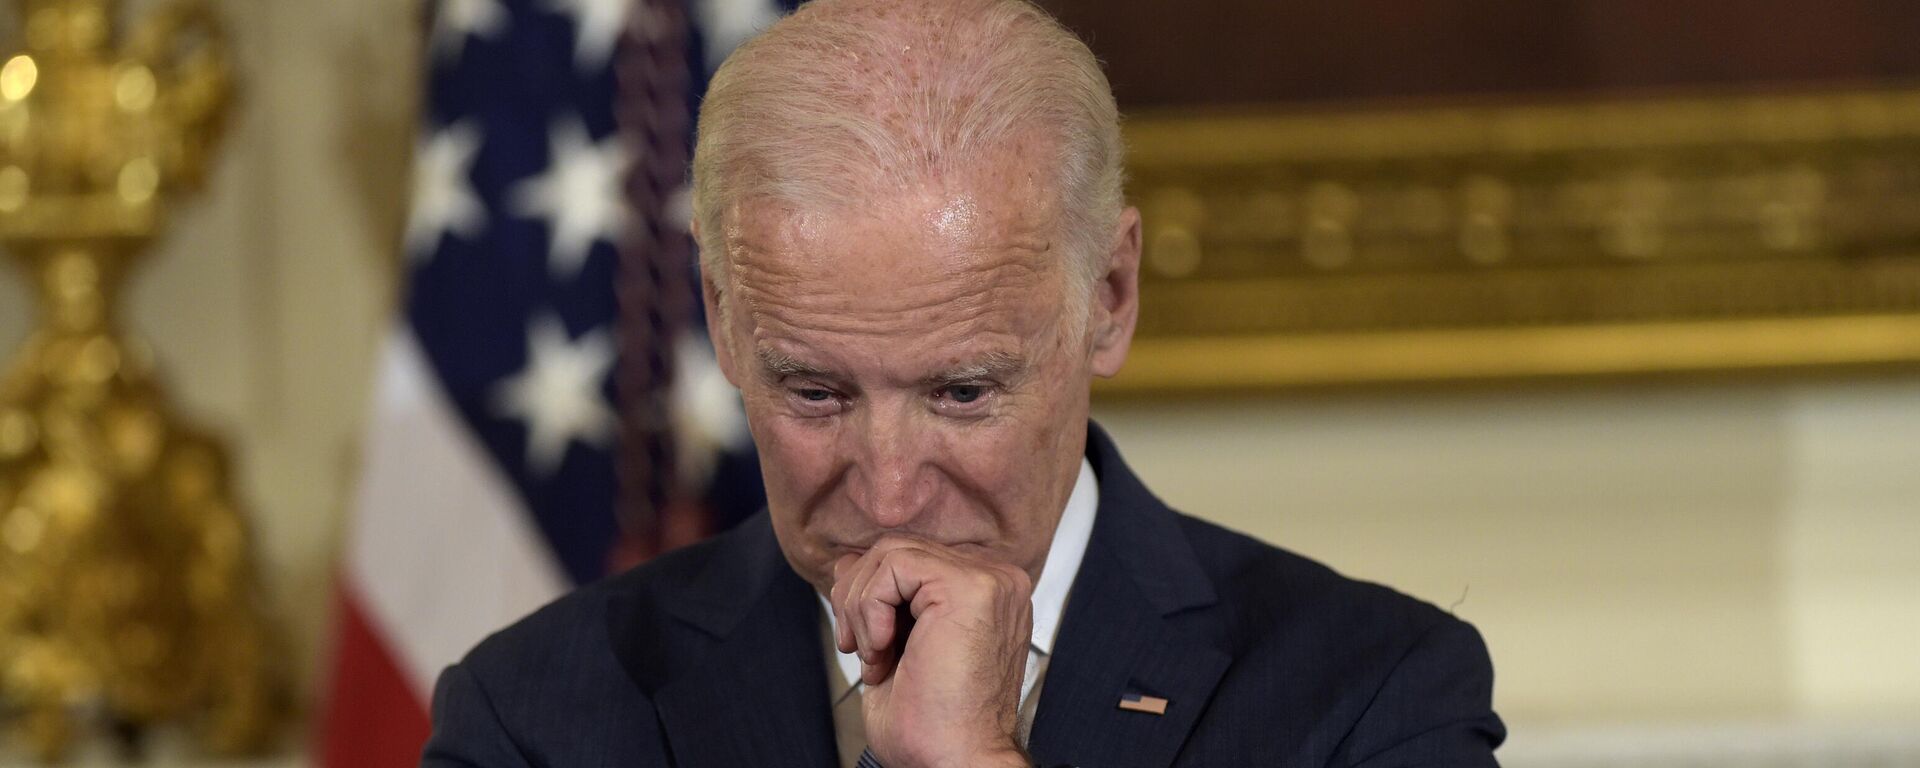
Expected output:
(127, 589)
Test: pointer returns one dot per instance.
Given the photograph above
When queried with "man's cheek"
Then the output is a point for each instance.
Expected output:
(793, 454)
(986, 457)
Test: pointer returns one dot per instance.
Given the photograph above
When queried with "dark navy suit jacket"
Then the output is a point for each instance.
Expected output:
(710, 657)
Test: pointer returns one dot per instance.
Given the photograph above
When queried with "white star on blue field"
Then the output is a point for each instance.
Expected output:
(518, 208)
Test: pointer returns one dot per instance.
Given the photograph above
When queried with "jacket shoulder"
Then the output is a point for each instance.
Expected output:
(1348, 648)
(558, 686)
(1383, 669)
(585, 622)
(1265, 584)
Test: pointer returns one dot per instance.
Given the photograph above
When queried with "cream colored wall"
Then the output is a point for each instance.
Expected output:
(1633, 552)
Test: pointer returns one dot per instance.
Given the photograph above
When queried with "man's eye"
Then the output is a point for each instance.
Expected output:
(964, 393)
(815, 395)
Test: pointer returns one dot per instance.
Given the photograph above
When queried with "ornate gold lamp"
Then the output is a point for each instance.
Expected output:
(127, 589)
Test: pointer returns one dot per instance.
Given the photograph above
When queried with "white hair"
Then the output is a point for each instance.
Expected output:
(848, 98)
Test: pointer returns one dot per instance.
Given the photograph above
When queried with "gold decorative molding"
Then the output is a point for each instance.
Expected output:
(1713, 233)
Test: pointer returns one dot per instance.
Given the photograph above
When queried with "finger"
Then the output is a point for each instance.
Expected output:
(878, 618)
(884, 662)
(896, 585)
(1019, 586)
(897, 580)
(885, 593)
(1021, 603)
(849, 587)
(843, 639)
(878, 665)
(860, 573)
(845, 601)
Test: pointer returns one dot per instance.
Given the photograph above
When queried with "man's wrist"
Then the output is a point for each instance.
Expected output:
(1010, 757)
(1015, 760)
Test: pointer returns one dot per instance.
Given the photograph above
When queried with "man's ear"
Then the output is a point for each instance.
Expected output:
(710, 301)
(1117, 297)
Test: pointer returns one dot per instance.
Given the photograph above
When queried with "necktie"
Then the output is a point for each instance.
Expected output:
(867, 760)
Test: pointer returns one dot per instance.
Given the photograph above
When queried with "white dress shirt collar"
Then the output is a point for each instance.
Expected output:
(1063, 558)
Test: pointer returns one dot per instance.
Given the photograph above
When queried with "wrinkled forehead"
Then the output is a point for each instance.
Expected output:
(1001, 217)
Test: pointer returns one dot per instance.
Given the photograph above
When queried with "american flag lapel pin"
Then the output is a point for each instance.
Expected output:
(1132, 701)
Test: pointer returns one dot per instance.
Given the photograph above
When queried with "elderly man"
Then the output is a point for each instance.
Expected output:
(916, 257)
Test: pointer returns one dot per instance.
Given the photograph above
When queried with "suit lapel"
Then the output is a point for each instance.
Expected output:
(1110, 646)
(758, 696)
(1134, 624)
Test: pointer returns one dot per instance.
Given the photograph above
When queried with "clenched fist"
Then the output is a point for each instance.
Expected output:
(942, 639)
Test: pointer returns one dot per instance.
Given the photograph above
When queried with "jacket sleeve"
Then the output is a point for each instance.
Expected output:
(1435, 710)
(466, 730)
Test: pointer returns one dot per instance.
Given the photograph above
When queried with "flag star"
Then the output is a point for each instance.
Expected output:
(579, 196)
(727, 23)
(558, 395)
(443, 198)
(679, 209)
(706, 413)
(456, 20)
(597, 26)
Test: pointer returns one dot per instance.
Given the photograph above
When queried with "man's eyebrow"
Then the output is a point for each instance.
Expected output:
(777, 363)
(994, 365)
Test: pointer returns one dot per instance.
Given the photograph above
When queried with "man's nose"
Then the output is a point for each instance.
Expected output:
(892, 480)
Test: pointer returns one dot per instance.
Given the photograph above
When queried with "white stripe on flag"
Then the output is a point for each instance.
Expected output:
(441, 548)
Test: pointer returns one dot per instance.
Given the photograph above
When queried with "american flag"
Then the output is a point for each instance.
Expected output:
(546, 410)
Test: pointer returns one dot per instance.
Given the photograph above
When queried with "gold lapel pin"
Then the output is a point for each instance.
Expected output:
(1136, 702)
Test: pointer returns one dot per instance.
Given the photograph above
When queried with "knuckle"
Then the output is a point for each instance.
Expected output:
(890, 555)
(889, 543)
(906, 559)
(986, 580)
(885, 569)
(1014, 577)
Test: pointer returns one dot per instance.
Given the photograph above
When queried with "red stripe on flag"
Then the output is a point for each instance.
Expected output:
(372, 718)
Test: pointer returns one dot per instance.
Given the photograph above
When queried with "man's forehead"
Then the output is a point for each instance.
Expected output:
(941, 288)
(931, 232)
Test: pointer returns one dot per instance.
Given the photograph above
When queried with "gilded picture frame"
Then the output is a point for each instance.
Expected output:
(1713, 233)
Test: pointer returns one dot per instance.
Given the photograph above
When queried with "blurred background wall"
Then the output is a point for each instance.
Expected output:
(1665, 552)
